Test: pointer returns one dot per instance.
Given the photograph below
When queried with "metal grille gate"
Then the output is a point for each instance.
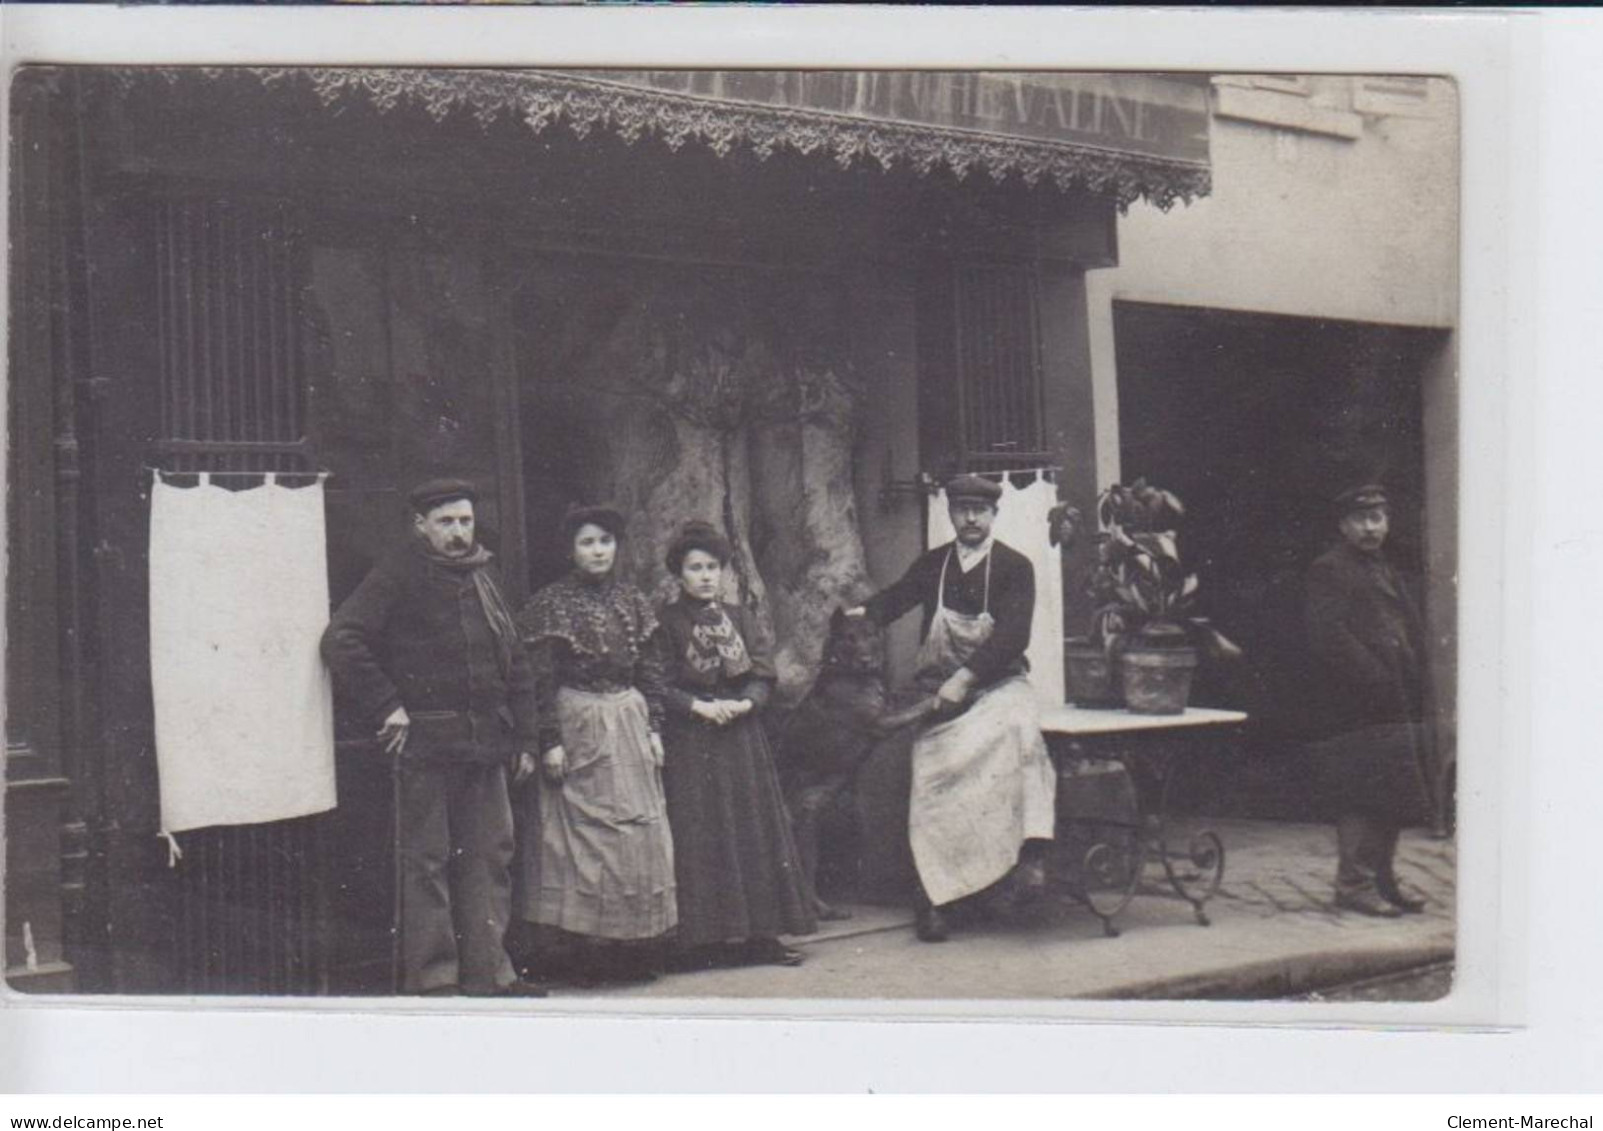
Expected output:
(251, 915)
(999, 368)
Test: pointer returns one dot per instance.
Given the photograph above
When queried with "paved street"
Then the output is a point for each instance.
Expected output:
(1274, 934)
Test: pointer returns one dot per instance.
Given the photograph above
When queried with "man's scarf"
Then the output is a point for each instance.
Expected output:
(490, 599)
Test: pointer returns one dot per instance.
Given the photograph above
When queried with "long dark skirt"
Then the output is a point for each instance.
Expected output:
(735, 863)
(1373, 771)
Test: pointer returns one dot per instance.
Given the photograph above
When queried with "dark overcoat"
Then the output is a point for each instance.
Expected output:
(414, 634)
(1367, 646)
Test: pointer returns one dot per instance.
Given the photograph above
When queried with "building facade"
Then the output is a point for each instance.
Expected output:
(770, 300)
(1292, 332)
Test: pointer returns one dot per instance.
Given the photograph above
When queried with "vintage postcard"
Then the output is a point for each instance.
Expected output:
(680, 538)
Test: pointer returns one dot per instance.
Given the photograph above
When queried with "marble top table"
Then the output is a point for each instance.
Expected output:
(1113, 864)
(1070, 720)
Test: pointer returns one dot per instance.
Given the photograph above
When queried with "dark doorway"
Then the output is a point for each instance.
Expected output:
(1256, 421)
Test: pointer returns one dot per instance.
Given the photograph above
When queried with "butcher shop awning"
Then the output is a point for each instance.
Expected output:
(1126, 136)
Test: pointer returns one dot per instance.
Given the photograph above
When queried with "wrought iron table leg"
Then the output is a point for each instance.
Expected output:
(1108, 872)
(1108, 860)
(1206, 852)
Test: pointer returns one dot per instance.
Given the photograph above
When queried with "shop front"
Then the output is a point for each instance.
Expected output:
(772, 301)
(1294, 332)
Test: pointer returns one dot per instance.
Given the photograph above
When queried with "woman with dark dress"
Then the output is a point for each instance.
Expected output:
(740, 880)
(596, 856)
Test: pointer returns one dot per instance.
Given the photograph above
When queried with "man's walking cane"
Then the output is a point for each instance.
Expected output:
(395, 870)
(393, 747)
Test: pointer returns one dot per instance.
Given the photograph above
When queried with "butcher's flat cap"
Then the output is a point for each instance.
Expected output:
(1364, 497)
(437, 492)
(973, 487)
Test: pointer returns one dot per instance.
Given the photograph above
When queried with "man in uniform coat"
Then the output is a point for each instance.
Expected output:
(1368, 649)
(427, 649)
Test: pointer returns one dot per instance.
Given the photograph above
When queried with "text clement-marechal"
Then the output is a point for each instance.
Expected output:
(1524, 1122)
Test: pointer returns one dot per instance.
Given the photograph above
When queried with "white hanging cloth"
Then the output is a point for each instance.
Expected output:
(1021, 522)
(238, 602)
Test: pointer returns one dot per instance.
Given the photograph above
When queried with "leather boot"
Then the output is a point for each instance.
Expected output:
(1029, 881)
(1393, 894)
(770, 952)
(519, 988)
(930, 925)
(1366, 901)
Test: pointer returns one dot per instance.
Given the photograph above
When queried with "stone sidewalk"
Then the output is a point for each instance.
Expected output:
(1274, 933)
(1282, 869)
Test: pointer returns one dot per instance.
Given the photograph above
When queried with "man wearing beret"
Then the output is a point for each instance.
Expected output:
(983, 787)
(1367, 644)
(427, 649)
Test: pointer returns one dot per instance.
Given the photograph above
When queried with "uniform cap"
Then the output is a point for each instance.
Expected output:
(1364, 497)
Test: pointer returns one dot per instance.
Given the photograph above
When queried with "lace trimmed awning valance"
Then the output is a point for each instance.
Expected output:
(1129, 136)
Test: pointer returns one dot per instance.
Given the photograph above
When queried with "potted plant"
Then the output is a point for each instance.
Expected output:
(1143, 599)
(1090, 662)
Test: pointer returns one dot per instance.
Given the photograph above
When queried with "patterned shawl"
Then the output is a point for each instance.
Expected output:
(715, 642)
(596, 618)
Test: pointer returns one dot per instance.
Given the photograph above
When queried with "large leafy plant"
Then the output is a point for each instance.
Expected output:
(1138, 583)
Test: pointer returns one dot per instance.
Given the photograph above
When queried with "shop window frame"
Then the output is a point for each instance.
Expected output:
(1001, 422)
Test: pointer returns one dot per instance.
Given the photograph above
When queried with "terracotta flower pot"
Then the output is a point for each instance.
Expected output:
(1157, 680)
(1090, 673)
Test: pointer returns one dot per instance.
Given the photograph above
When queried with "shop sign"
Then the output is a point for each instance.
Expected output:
(1159, 116)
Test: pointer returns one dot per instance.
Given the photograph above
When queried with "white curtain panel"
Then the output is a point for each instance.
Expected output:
(238, 601)
(1021, 523)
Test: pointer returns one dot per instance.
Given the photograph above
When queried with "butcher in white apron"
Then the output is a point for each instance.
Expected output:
(983, 788)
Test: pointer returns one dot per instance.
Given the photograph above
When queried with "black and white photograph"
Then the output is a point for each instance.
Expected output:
(581, 538)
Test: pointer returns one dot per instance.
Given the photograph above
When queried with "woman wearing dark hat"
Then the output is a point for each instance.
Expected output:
(597, 864)
(740, 880)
